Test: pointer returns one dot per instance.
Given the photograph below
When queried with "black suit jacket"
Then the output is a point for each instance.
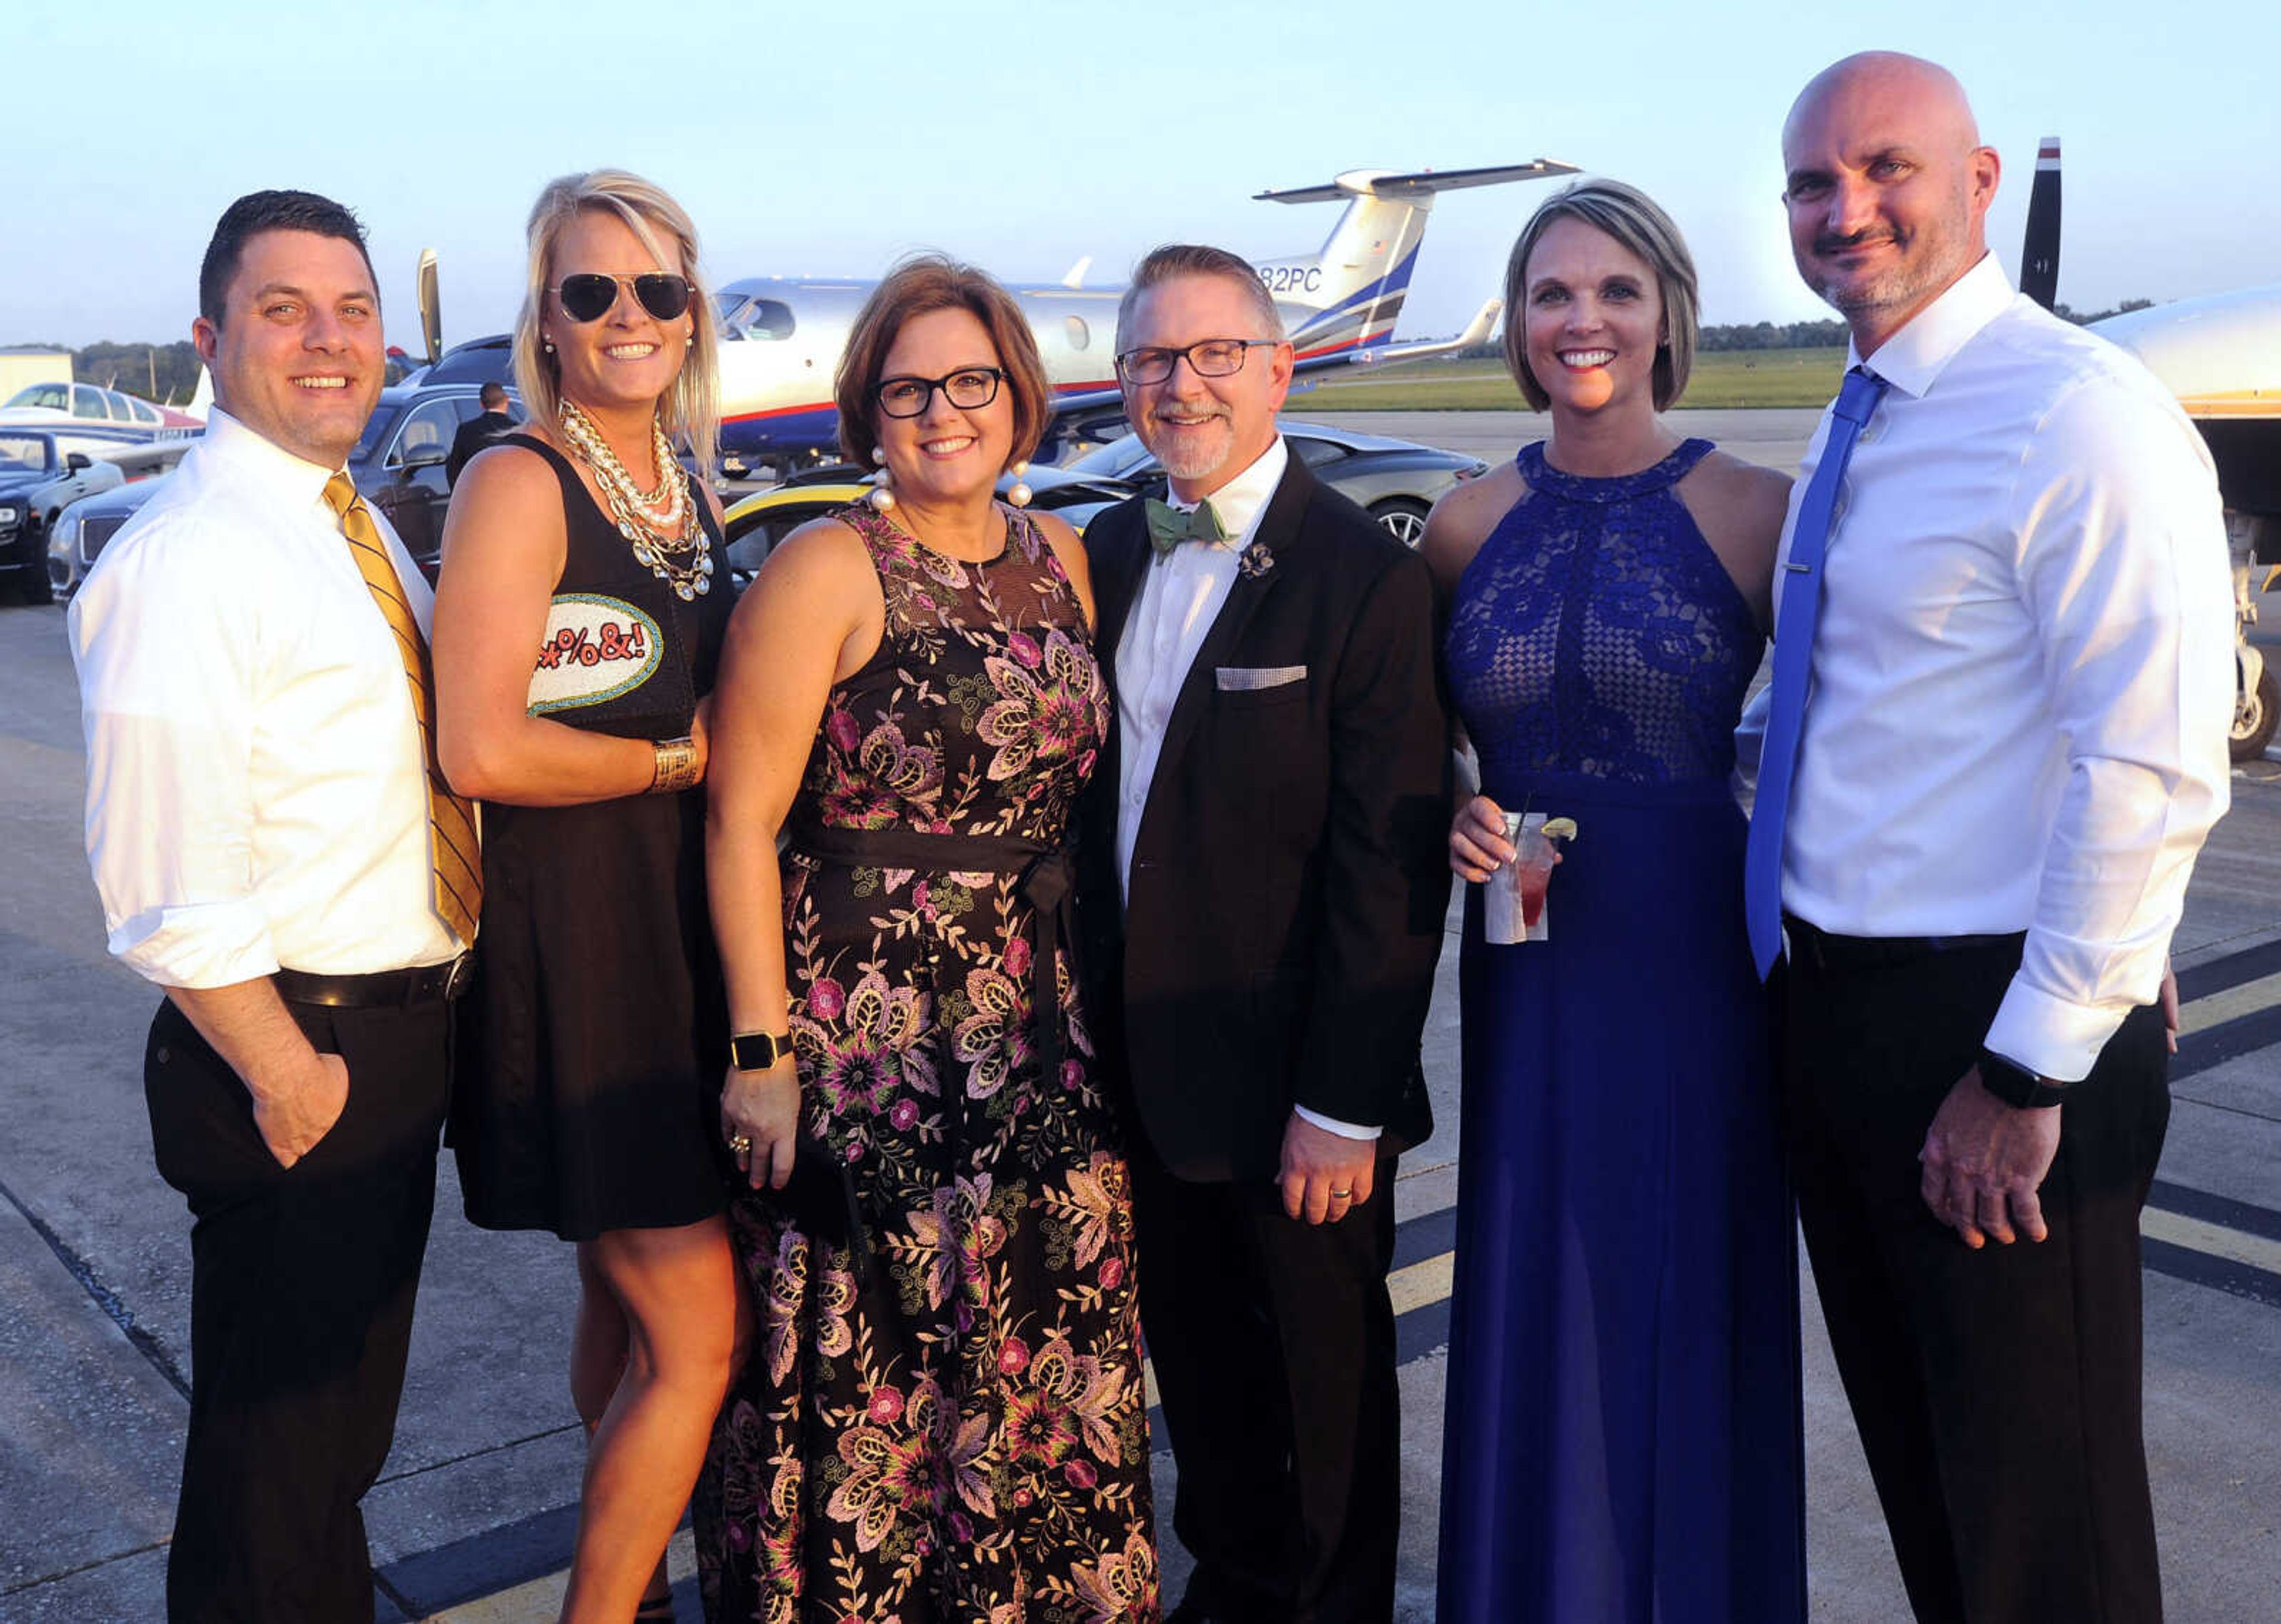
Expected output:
(474, 435)
(1290, 877)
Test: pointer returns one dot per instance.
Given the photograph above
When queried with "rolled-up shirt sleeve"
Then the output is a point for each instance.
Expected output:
(169, 692)
(2122, 564)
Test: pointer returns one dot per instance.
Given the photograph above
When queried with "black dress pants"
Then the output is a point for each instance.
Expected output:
(1997, 1392)
(301, 1295)
(1273, 1341)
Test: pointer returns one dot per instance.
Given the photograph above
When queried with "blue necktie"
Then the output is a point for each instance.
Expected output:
(1801, 606)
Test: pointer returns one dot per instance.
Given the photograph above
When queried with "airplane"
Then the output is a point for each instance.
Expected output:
(2220, 354)
(110, 425)
(783, 337)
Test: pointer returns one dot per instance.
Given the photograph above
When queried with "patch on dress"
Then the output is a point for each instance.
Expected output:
(595, 649)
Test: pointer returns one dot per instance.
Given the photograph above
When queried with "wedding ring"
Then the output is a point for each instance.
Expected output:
(1341, 1194)
(739, 1143)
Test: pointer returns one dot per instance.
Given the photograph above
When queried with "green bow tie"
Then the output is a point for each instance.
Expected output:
(1169, 527)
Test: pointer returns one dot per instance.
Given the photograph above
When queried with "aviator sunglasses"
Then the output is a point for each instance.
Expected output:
(588, 296)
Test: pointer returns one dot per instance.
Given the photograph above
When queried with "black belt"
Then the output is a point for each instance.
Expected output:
(381, 989)
(1047, 881)
(1809, 944)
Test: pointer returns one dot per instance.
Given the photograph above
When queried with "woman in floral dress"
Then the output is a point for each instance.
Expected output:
(940, 1415)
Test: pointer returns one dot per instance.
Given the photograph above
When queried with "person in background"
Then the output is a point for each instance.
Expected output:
(1995, 742)
(1622, 1432)
(594, 1034)
(492, 423)
(275, 848)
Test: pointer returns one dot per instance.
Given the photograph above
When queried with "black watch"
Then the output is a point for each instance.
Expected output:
(757, 1051)
(2015, 1085)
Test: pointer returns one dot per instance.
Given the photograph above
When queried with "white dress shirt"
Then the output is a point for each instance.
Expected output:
(256, 794)
(2022, 681)
(1181, 597)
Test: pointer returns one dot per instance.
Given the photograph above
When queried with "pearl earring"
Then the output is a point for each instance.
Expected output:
(1020, 493)
(883, 496)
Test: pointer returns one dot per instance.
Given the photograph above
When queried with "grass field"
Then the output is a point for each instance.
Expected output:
(1728, 378)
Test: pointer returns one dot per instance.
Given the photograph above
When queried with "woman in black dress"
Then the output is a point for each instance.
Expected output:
(585, 1098)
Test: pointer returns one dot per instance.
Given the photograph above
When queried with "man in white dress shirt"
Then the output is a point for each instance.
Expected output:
(2014, 742)
(263, 824)
(1261, 899)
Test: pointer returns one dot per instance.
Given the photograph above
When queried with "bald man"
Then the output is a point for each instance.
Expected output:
(1998, 739)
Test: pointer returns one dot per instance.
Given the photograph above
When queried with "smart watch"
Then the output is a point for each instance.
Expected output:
(2016, 1086)
(757, 1051)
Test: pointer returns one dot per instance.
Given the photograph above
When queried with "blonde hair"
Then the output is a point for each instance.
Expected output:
(1631, 217)
(691, 408)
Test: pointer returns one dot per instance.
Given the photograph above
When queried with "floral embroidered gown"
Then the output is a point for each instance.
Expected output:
(965, 1436)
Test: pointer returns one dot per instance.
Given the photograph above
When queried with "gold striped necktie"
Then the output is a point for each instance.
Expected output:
(452, 852)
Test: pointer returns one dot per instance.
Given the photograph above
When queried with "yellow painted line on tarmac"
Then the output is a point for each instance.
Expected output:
(2211, 1239)
(1421, 1282)
(2216, 1008)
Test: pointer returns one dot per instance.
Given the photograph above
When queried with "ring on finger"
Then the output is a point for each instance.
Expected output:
(1341, 1194)
(740, 1144)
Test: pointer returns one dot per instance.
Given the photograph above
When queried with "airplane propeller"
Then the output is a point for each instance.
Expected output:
(432, 315)
(2040, 254)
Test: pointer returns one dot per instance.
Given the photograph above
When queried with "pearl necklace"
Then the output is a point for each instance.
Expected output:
(661, 524)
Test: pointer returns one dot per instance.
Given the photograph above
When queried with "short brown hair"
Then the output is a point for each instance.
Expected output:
(919, 284)
(1630, 216)
(1162, 264)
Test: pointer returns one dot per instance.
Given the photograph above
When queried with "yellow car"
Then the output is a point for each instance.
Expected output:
(755, 524)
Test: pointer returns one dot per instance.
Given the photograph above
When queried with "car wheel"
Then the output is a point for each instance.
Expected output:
(1402, 518)
(2254, 715)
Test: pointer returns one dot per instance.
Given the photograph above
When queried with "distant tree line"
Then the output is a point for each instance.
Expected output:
(1807, 334)
(159, 372)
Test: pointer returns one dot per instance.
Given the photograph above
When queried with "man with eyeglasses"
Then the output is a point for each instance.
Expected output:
(1262, 896)
(275, 848)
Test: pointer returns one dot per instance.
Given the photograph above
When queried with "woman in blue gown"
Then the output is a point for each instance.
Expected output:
(1622, 1440)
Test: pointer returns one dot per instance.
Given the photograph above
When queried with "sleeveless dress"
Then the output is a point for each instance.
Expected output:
(592, 1041)
(1622, 1437)
(942, 1416)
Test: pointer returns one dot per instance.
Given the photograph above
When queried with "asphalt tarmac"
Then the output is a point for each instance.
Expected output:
(473, 1517)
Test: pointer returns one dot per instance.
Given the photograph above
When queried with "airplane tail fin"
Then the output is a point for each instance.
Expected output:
(1348, 295)
(201, 403)
(2040, 254)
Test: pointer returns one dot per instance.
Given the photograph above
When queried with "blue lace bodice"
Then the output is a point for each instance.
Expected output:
(1595, 632)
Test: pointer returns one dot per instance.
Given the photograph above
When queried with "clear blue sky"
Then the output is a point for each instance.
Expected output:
(828, 139)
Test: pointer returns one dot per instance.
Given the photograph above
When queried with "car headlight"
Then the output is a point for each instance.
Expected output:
(9, 515)
(64, 544)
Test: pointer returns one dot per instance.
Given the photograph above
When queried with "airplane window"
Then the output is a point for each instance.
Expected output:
(1079, 334)
(87, 402)
(122, 410)
(769, 319)
(144, 412)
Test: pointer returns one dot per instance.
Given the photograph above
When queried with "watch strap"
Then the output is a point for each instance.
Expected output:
(2016, 1086)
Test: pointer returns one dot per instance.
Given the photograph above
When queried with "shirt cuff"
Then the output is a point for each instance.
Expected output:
(197, 945)
(2050, 1036)
(1332, 1125)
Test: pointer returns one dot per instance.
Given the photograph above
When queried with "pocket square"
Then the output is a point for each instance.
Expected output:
(1247, 678)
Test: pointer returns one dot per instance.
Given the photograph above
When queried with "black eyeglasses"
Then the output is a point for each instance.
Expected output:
(588, 296)
(969, 391)
(1207, 357)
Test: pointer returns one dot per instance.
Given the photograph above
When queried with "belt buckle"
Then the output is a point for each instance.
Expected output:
(455, 981)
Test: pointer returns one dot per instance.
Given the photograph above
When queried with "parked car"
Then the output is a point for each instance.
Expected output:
(398, 464)
(38, 480)
(754, 524)
(77, 537)
(1395, 480)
